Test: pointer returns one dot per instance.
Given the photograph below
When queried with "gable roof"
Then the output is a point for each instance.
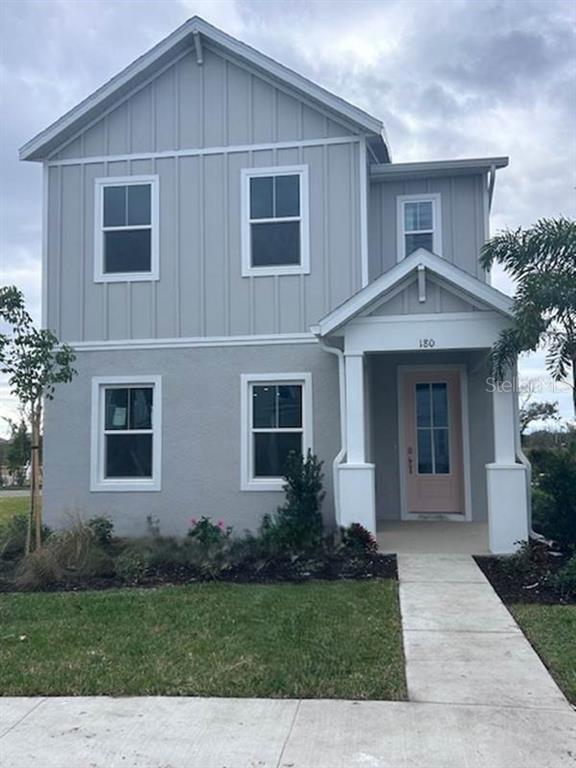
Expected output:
(374, 292)
(183, 38)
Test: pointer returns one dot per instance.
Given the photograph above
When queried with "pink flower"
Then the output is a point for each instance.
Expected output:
(220, 523)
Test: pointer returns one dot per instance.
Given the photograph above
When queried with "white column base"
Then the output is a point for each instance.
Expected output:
(507, 507)
(357, 495)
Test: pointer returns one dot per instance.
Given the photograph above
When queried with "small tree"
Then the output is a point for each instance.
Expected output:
(542, 260)
(18, 450)
(35, 363)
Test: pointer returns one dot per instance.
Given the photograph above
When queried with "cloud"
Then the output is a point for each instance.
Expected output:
(450, 78)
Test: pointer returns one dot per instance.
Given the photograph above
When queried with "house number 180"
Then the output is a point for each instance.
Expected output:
(427, 343)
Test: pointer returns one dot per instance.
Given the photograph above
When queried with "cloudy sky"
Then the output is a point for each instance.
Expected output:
(449, 78)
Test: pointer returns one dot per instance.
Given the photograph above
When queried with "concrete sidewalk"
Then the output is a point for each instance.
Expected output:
(480, 698)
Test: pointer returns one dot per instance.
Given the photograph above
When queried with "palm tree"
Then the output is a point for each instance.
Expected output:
(542, 260)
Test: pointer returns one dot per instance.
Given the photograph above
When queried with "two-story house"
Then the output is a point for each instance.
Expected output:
(244, 272)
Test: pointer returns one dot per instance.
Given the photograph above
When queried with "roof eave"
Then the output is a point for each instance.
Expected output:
(390, 171)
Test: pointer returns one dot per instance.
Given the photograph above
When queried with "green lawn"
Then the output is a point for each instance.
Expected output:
(318, 639)
(12, 505)
(552, 631)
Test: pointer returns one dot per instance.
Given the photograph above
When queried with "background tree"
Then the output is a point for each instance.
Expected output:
(542, 261)
(538, 411)
(35, 363)
(18, 450)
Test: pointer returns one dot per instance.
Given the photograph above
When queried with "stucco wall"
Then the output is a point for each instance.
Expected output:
(200, 436)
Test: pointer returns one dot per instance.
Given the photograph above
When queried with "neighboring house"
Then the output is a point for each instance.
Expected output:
(243, 272)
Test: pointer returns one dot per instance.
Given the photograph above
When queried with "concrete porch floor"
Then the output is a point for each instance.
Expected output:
(406, 537)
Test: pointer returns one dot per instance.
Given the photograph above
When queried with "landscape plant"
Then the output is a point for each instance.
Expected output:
(542, 262)
(35, 363)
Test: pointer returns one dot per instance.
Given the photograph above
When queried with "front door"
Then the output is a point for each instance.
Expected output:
(434, 477)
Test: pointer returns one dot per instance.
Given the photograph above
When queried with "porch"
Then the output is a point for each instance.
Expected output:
(429, 438)
(432, 538)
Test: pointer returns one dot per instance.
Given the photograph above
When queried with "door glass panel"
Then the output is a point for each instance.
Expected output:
(425, 463)
(440, 404)
(423, 415)
(432, 428)
(441, 452)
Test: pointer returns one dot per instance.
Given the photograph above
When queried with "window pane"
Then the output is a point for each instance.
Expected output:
(264, 406)
(116, 409)
(127, 251)
(276, 244)
(261, 197)
(290, 406)
(422, 405)
(424, 451)
(271, 451)
(413, 242)
(140, 408)
(139, 204)
(441, 452)
(424, 215)
(128, 456)
(410, 216)
(287, 196)
(440, 404)
(114, 206)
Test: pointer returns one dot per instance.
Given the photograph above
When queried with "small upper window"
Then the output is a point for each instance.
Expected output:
(127, 229)
(419, 224)
(275, 237)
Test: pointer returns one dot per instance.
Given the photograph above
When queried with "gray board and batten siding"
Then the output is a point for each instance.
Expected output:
(201, 292)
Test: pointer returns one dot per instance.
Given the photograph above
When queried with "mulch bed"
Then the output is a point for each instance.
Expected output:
(373, 566)
(525, 581)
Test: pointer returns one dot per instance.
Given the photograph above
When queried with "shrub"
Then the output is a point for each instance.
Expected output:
(73, 555)
(208, 533)
(13, 537)
(565, 579)
(132, 565)
(357, 539)
(554, 496)
(297, 525)
(102, 528)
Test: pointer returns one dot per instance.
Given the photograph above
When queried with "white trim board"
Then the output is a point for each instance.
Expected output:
(463, 370)
(247, 481)
(97, 482)
(202, 151)
(193, 342)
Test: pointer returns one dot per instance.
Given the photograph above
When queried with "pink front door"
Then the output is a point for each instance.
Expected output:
(433, 442)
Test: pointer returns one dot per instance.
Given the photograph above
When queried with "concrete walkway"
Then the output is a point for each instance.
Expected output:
(479, 698)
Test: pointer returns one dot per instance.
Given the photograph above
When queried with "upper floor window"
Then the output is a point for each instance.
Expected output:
(275, 221)
(419, 224)
(126, 245)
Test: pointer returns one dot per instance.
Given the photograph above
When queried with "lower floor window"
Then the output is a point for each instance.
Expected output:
(126, 434)
(276, 424)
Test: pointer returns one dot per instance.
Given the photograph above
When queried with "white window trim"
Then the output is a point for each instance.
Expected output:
(247, 481)
(427, 197)
(97, 480)
(289, 269)
(126, 277)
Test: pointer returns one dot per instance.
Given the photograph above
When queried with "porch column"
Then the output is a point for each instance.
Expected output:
(356, 477)
(507, 479)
